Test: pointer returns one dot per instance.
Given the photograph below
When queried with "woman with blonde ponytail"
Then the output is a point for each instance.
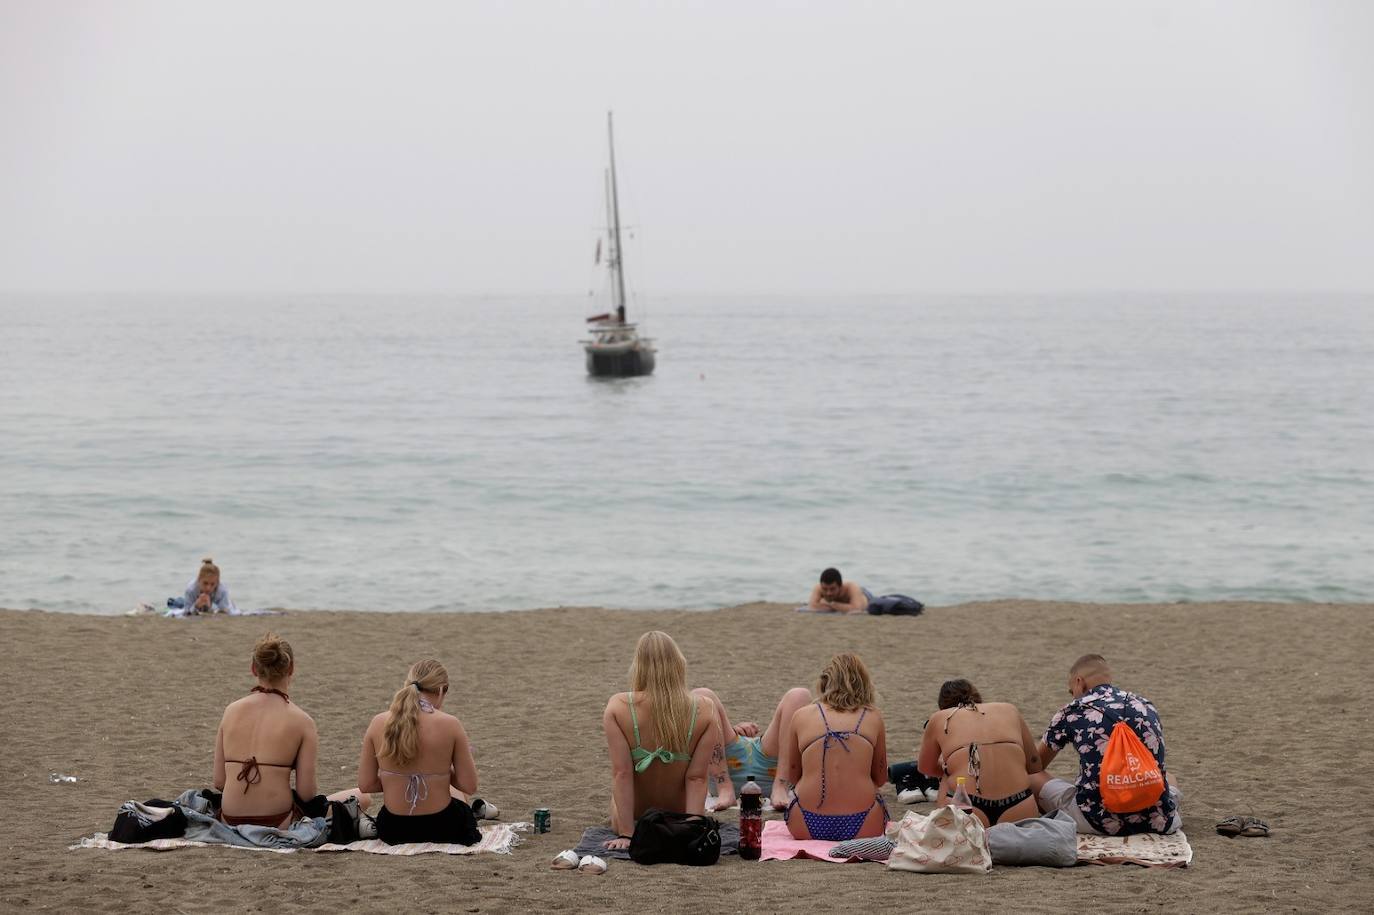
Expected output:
(663, 739)
(419, 757)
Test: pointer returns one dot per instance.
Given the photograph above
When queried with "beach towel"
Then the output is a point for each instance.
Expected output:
(177, 610)
(594, 839)
(779, 845)
(1147, 850)
(499, 838)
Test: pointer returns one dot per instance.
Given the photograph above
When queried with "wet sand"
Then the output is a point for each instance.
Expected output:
(1266, 707)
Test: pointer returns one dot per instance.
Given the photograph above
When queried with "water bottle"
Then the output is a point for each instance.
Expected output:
(960, 798)
(750, 821)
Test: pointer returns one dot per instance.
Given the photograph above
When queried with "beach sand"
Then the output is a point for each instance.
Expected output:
(1266, 708)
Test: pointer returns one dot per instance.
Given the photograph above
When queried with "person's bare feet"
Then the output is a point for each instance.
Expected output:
(779, 804)
(726, 799)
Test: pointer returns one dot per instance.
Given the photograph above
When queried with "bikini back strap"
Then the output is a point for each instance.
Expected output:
(250, 774)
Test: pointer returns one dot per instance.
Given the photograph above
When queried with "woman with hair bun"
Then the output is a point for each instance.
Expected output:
(989, 743)
(206, 593)
(418, 756)
(263, 738)
(838, 757)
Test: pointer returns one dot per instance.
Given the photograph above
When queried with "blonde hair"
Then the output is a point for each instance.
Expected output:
(845, 684)
(207, 567)
(272, 657)
(660, 672)
(401, 733)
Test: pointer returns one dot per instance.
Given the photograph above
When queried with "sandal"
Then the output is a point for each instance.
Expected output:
(1255, 828)
(1232, 826)
(565, 861)
(591, 864)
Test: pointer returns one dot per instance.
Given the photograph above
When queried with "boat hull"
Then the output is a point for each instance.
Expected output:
(619, 362)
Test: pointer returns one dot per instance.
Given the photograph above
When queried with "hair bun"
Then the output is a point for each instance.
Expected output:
(207, 561)
(272, 656)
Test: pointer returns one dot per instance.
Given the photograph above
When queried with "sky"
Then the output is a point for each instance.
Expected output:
(829, 148)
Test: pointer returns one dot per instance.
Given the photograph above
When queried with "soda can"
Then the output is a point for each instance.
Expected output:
(542, 820)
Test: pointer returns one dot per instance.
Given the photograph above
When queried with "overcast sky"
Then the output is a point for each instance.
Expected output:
(765, 147)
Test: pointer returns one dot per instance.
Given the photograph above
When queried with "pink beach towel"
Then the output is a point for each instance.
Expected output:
(778, 845)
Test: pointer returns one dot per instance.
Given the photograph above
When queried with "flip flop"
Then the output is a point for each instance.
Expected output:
(1255, 828)
(592, 865)
(1232, 826)
(565, 861)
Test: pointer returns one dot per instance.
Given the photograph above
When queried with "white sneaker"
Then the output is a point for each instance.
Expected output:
(592, 865)
(911, 796)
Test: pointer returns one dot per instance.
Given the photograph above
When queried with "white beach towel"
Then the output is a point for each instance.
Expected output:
(500, 838)
(1145, 850)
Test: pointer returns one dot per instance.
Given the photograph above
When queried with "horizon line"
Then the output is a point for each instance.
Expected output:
(829, 293)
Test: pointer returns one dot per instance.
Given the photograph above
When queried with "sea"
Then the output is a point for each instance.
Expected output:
(450, 454)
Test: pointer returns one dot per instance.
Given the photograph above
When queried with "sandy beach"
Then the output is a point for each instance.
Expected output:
(1266, 708)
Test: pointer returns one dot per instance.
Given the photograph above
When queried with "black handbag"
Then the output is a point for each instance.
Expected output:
(664, 837)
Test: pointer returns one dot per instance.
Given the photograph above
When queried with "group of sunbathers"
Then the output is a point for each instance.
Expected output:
(414, 753)
(821, 759)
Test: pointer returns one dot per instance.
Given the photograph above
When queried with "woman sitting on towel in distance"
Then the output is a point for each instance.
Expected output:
(419, 758)
(988, 742)
(662, 739)
(837, 758)
(262, 739)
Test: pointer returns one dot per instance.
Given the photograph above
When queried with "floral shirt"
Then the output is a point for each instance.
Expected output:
(1086, 729)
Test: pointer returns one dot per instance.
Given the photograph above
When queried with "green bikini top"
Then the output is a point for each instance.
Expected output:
(642, 757)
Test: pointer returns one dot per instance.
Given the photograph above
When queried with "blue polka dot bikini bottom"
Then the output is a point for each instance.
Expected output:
(836, 827)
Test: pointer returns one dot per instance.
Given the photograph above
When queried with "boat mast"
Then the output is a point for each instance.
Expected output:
(617, 267)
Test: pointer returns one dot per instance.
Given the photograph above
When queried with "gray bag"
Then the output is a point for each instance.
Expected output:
(1048, 841)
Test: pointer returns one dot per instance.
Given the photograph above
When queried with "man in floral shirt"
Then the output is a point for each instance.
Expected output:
(1082, 725)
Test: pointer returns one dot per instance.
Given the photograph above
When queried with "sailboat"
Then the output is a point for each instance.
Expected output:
(616, 349)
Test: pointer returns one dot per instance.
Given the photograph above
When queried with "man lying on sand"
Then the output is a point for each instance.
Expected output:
(1087, 723)
(835, 595)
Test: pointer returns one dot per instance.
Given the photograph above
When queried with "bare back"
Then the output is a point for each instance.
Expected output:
(262, 739)
(841, 763)
(1005, 748)
(421, 785)
(662, 783)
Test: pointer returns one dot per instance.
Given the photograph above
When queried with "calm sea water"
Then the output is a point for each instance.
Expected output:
(451, 454)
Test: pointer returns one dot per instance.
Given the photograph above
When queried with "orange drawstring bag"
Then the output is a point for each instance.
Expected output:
(1129, 778)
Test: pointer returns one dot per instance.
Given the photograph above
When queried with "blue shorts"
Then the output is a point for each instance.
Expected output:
(745, 757)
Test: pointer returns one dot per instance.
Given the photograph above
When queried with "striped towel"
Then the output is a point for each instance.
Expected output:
(500, 838)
